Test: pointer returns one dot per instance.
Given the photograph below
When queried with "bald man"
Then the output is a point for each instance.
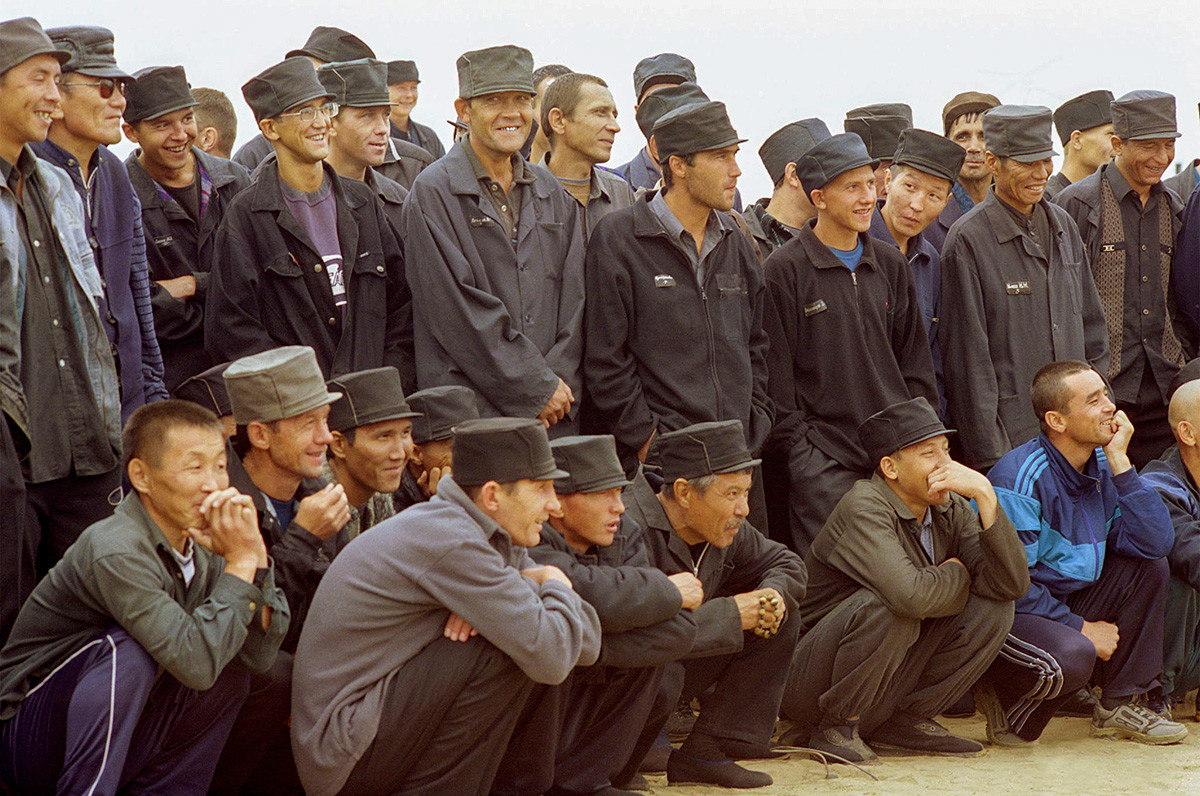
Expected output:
(1175, 476)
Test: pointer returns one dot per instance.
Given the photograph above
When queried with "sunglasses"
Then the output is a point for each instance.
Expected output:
(106, 86)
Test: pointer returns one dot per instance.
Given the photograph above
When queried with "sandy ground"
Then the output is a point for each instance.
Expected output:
(1066, 760)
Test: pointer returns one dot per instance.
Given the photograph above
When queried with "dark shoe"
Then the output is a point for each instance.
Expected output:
(1079, 705)
(1159, 703)
(911, 735)
(999, 733)
(680, 725)
(741, 750)
(611, 790)
(655, 761)
(684, 770)
(637, 782)
(844, 742)
(964, 708)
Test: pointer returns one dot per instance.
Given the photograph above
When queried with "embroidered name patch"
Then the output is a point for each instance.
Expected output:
(663, 280)
(817, 306)
(1020, 288)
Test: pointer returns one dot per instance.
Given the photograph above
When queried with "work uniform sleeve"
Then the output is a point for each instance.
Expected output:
(1185, 270)
(1141, 527)
(233, 326)
(300, 564)
(398, 331)
(910, 344)
(762, 410)
(261, 646)
(153, 370)
(565, 356)
(652, 645)
(781, 322)
(994, 556)
(1184, 510)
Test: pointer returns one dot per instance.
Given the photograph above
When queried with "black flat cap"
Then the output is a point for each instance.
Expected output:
(333, 44)
(208, 390)
(964, 103)
(23, 38)
(592, 463)
(665, 100)
(1189, 372)
(493, 70)
(156, 91)
(879, 133)
(442, 408)
(402, 72)
(1083, 113)
(899, 426)
(931, 153)
(788, 143)
(704, 449)
(828, 159)
(368, 396)
(1020, 132)
(356, 84)
(285, 85)
(694, 128)
(662, 68)
(92, 50)
(502, 449)
(882, 109)
(1145, 114)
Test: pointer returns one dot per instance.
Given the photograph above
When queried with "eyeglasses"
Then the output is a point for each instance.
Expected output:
(309, 114)
(106, 86)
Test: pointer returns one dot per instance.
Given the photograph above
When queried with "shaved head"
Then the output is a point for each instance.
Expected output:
(1185, 406)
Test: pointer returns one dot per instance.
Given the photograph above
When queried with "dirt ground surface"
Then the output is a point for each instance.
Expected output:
(1066, 760)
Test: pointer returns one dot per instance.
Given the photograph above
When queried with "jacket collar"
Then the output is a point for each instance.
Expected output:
(450, 492)
(1074, 481)
(821, 257)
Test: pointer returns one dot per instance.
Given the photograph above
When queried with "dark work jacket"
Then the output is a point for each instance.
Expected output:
(506, 323)
(1007, 310)
(115, 222)
(663, 351)
(766, 229)
(253, 152)
(1183, 183)
(264, 291)
(936, 232)
(422, 135)
(1174, 484)
(178, 246)
(1185, 275)
(844, 344)
(639, 607)
(750, 562)
(639, 172)
(409, 493)
(872, 540)
(1056, 184)
(390, 193)
(403, 161)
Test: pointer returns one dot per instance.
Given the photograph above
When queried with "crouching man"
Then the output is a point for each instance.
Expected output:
(177, 581)
(385, 700)
(910, 596)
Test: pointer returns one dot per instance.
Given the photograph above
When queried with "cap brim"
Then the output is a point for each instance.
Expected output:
(104, 71)
(551, 475)
(170, 109)
(1033, 157)
(1152, 136)
(737, 468)
(299, 102)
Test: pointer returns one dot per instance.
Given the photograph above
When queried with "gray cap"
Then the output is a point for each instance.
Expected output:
(493, 70)
(402, 72)
(931, 153)
(368, 396)
(662, 68)
(788, 143)
(592, 463)
(92, 50)
(442, 408)
(663, 101)
(965, 103)
(704, 449)
(157, 91)
(879, 133)
(829, 159)
(356, 84)
(1145, 114)
(333, 44)
(285, 85)
(502, 449)
(23, 38)
(208, 390)
(882, 109)
(276, 384)
(1020, 132)
(694, 128)
(1083, 113)
(899, 426)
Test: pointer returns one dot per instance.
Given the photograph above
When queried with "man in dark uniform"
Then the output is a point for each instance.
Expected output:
(650, 75)
(879, 126)
(1129, 223)
(910, 596)
(1085, 128)
(184, 194)
(497, 255)
(402, 81)
(1017, 292)
(695, 520)
(846, 334)
(305, 256)
(775, 221)
(962, 122)
(431, 457)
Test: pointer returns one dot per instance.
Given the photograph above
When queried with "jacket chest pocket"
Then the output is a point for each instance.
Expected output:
(731, 298)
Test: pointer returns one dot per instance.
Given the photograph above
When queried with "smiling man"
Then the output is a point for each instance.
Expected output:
(403, 80)
(1016, 291)
(431, 455)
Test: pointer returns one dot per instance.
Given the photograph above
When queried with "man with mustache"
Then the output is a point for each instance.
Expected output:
(962, 122)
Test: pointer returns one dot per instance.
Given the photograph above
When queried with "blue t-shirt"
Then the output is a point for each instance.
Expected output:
(849, 258)
(285, 511)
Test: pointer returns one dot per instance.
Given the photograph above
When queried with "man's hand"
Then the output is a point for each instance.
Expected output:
(749, 605)
(1117, 448)
(971, 484)
(457, 628)
(1104, 638)
(324, 513)
(428, 479)
(558, 406)
(645, 449)
(691, 591)
(540, 575)
(181, 287)
(231, 531)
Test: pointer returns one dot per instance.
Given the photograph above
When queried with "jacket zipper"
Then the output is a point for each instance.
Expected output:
(712, 352)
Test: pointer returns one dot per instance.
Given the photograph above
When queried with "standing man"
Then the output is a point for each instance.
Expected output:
(307, 258)
(650, 75)
(216, 122)
(1017, 292)
(831, 290)
(497, 253)
(537, 145)
(579, 117)
(1085, 128)
(184, 194)
(402, 81)
(775, 221)
(1129, 223)
(93, 99)
(431, 457)
(879, 126)
(962, 123)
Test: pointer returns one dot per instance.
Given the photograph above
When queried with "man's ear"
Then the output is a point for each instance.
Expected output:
(206, 139)
(555, 118)
(339, 445)
(1186, 433)
(682, 491)
(463, 108)
(889, 468)
(130, 132)
(139, 476)
(489, 496)
(991, 163)
(1055, 421)
(415, 455)
(259, 435)
(817, 197)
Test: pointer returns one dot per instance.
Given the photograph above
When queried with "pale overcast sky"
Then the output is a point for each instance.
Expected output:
(770, 61)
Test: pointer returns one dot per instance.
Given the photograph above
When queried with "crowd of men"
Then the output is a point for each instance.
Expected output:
(343, 463)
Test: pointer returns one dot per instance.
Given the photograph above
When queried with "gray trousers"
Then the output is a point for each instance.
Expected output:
(863, 660)
(1181, 639)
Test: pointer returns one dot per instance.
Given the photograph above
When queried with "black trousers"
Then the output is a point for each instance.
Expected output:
(1151, 430)
(17, 572)
(816, 483)
(257, 760)
(58, 511)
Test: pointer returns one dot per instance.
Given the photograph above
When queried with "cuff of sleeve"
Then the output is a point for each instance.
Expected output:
(1127, 482)
(201, 284)
(301, 534)
(244, 597)
(1075, 622)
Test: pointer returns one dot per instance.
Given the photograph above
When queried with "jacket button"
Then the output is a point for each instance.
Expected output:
(317, 268)
(1146, 312)
(379, 268)
(333, 321)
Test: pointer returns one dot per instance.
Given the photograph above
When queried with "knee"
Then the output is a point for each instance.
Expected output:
(870, 614)
(1076, 656)
(988, 618)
